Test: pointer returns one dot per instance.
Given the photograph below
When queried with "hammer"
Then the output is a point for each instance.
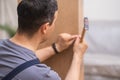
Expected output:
(85, 28)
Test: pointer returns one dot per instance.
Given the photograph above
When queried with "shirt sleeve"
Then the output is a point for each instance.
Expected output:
(51, 75)
(37, 72)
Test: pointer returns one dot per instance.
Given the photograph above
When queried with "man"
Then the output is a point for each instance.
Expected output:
(36, 20)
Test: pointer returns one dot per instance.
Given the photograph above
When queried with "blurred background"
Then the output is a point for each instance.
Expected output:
(8, 18)
(102, 61)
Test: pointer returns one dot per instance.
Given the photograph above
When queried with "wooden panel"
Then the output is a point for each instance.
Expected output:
(68, 21)
(18, 1)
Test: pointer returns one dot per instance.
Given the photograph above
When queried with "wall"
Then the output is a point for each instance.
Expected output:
(102, 9)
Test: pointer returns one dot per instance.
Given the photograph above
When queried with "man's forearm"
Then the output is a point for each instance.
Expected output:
(82, 72)
(45, 53)
(74, 72)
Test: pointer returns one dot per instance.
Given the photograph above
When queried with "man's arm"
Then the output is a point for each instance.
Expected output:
(76, 71)
(63, 41)
(82, 71)
(45, 53)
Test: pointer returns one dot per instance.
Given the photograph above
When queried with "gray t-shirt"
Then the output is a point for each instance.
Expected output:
(13, 55)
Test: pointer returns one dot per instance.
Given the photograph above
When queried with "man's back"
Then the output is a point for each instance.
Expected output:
(13, 55)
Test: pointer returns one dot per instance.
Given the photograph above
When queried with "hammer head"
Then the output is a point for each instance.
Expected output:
(86, 23)
(86, 27)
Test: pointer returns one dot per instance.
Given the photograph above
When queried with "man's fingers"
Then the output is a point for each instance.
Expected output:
(72, 38)
(77, 41)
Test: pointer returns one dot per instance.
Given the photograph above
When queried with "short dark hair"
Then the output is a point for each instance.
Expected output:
(34, 13)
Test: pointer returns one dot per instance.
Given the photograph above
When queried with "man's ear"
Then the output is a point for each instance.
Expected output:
(44, 28)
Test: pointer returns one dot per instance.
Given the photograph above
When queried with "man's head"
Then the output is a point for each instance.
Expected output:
(35, 14)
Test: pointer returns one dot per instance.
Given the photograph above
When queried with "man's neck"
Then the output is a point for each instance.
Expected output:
(23, 41)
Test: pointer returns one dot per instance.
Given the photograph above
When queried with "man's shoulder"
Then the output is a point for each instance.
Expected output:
(1, 41)
(38, 72)
(2, 45)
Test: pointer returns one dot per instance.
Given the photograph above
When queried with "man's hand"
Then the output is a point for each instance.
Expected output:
(79, 48)
(64, 40)
(76, 70)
